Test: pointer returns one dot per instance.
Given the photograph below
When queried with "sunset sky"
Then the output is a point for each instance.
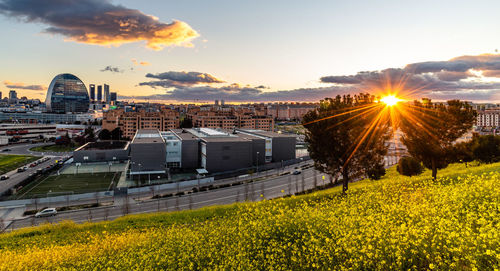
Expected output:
(187, 51)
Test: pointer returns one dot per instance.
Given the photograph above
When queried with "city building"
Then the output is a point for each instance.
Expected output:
(0, 95)
(232, 121)
(12, 97)
(92, 92)
(107, 98)
(130, 122)
(67, 93)
(148, 153)
(112, 96)
(39, 117)
(289, 111)
(99, 93)
(102, 151)
(26, 132)
(488, 118)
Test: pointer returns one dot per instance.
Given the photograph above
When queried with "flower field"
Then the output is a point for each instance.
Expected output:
(394, 223)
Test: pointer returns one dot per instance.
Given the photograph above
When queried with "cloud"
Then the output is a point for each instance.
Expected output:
(238, 93)
(111, 69)
(142, 63)
(173, 79)
(463, 76)
(459, 78)
(13, 85)
(100, 22)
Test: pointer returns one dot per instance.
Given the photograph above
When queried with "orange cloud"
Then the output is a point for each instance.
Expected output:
(14, 85)
(142, 63)
(101, 23)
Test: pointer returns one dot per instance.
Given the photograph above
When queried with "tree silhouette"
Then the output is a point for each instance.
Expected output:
(347, 135)
(430, 129)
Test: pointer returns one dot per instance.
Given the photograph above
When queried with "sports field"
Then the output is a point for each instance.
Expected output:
(9, 162)
(64, 184)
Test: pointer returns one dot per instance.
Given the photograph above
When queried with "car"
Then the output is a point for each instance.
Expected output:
(46, 212)
(297, 172)
(4, 177)
(33, 165)
(4, 150)
(21, 169)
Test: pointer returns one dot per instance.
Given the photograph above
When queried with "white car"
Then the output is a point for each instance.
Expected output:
(46, 212)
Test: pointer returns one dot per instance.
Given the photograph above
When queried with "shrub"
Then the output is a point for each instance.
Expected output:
(409, 166)
(486, 148)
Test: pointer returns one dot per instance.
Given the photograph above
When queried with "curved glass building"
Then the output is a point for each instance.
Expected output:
(67, 93)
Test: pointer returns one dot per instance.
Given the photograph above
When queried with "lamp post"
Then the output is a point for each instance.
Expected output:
(257, 163)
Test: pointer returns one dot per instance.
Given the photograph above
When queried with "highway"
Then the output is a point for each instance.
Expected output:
(269, 188)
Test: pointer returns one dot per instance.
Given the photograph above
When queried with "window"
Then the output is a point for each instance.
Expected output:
(226, 148)
(225, 157)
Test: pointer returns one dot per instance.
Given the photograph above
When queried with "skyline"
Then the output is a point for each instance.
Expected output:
(259, 51)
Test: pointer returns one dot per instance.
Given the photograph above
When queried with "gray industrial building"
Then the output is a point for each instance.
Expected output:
(147, 153)
(152, 151)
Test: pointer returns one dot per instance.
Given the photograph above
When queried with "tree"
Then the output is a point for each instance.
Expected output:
(186, 123)
(347, 135)
(104, 134)
(486, 148)
(462, 152)
(409, 166)
(116, 134)
(429, 130)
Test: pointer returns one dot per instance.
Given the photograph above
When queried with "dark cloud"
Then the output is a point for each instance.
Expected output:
(439, 79)
(99, 22)
(237, 93)
(111, 69)
(173, 79)
(13, 85)
(262, 87)
(185, 77)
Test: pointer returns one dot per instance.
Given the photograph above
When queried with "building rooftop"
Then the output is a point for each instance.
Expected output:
(147, 136)
(104, 145)
(264, 133)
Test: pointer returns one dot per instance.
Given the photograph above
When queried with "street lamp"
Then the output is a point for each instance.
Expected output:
(257, 163)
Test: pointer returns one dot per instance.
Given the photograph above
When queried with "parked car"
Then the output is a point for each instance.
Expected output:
(33, 165)
(4, 177)
(46, 212)
(4, 150)
(296, 172)
(21, 169)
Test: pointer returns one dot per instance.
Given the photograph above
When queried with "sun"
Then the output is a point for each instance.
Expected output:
(390, 100)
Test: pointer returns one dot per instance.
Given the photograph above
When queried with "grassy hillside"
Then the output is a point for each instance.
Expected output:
(394, 223)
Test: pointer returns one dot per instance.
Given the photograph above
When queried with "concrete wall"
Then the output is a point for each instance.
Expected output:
(283, 148)
(100, 155)
(151, 156)
(224, 156)
(190, 154)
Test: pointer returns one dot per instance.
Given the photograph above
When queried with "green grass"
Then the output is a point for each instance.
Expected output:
(53, 148)
(403, 223)
(9, 162)
(68, 183)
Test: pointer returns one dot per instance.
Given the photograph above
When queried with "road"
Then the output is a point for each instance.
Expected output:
(25, 150)
(17, 177)
(269, 188)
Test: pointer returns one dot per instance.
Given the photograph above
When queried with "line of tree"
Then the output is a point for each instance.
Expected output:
(348, 135)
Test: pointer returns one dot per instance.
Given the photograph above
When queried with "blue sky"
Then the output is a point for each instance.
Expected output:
(282, 45)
